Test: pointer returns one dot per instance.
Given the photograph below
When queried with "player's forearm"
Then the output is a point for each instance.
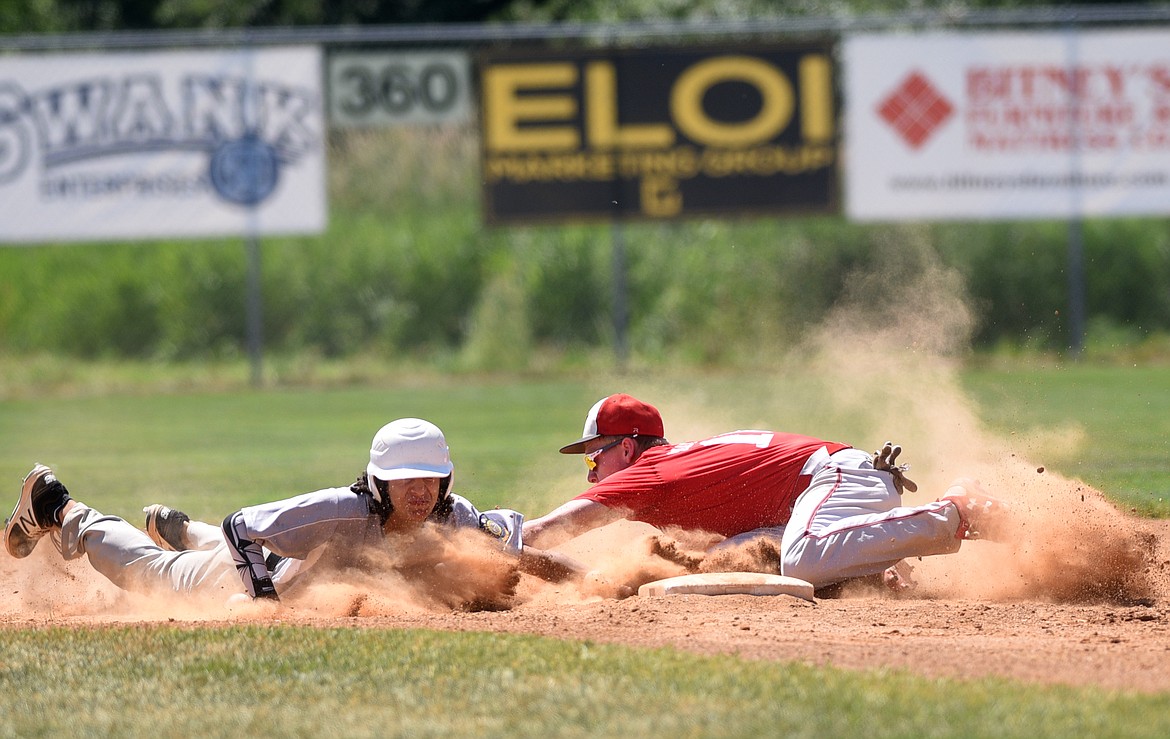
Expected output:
(569, 520)
(543, 533)
(550, 566)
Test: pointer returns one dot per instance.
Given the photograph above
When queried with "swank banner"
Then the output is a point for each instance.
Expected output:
(182, 144)
(1007, 125)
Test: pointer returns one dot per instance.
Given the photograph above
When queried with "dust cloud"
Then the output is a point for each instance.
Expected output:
(887, 359)
(890, 355)
(434, 570)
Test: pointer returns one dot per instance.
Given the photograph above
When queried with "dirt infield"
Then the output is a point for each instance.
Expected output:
(1093, 608)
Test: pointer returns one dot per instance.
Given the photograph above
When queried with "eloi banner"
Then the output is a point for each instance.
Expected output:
(150, 145)
(658, 133)
(1007, 125)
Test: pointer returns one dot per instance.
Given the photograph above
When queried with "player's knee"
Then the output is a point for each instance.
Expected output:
(801, 561)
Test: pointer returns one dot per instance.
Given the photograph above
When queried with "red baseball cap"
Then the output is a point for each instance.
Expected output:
(618, 415)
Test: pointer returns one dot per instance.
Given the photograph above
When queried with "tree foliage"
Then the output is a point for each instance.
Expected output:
(67, 16)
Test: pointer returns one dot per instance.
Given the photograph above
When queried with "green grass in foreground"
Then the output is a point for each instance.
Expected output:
(298, 681)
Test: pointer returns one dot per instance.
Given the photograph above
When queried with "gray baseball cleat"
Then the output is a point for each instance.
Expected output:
(41, 496)
(164, 525)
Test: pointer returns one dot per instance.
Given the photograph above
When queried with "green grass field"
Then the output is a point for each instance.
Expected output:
(1121, 413)
(297, 681)
(211, 451)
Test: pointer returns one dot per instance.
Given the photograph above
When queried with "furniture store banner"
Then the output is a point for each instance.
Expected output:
(150, 145)
(1007, 125)
(658, 133)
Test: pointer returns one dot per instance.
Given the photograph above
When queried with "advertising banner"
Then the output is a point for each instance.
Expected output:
(1007, 125)
(658, 133)
(402, 88)
(151, 145)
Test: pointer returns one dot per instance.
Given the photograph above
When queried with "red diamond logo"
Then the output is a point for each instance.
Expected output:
(915, 110)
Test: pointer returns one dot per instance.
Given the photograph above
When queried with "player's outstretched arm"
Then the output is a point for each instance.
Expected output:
(567, 521)
(550, 566)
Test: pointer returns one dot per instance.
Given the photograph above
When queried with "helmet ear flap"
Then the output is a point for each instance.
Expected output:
(375, 486)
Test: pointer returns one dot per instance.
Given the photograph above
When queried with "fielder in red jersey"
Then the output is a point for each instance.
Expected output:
(727, 484)
(833, 512)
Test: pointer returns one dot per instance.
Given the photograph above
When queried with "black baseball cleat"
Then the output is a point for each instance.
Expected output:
(35, 514)
(165, 526)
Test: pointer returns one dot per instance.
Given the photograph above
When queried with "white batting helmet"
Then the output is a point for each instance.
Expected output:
(406, 449)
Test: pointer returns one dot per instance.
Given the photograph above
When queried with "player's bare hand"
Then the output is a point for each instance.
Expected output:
(886, 460)
(899, 578)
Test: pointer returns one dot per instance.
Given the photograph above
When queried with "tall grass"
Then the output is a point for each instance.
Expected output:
(406, 268)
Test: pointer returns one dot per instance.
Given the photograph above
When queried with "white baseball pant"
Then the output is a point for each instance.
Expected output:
(849, 522)
(130, 560)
